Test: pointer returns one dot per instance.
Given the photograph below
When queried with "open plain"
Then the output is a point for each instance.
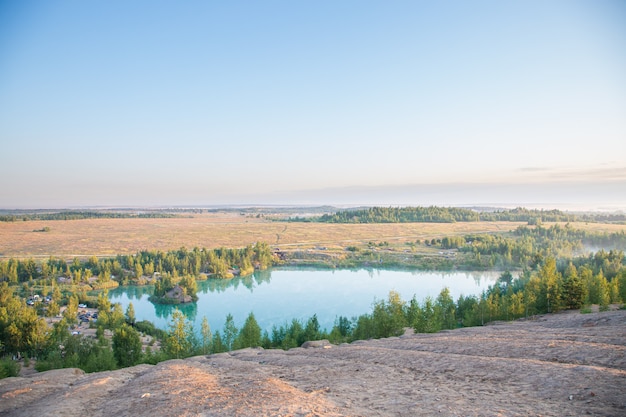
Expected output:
(566, 364)
(110, 237)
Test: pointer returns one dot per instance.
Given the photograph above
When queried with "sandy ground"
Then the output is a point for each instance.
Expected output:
(567, 364)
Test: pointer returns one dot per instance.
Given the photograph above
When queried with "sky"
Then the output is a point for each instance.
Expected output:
(163, 103)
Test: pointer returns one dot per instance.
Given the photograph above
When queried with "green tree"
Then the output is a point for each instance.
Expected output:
(126, 346)
(53, 309)
(138, 270)
(130, 314)
(207, 337)
(424, 317)
(21, 330)
(117, 317)
(312, 329)
(550, 295)
(445, 310)
(622, 285)
(230, 332)
(250, 334)
(574, 291)
(388, 317)
(180, 341)
(9, 368)
(71, 311)
(217, 344)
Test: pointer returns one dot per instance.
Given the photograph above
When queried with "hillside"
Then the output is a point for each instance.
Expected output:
(556, 365)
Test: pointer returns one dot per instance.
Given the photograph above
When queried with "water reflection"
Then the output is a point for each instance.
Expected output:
(250, 282)
(132, 292)
(164, 311)
(279, 295)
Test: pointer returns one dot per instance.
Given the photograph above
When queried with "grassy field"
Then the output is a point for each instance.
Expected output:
(106, 237)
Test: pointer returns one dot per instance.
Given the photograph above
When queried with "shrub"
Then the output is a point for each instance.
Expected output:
(9, 368)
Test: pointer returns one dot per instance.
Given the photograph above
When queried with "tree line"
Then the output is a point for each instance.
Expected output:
(434, 214)
(137, 268)
(81, 215)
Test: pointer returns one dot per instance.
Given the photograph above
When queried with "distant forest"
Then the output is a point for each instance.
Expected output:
(79, 215)
(451, 214)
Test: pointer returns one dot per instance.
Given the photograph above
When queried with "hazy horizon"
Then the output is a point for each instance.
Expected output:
(557, 196)
(152, 104)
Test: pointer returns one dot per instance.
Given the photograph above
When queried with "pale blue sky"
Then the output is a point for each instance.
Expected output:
(296, 102)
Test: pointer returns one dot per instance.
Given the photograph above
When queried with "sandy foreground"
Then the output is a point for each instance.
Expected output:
(567, 364)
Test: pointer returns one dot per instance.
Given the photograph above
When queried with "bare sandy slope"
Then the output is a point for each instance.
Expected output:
(566, 364)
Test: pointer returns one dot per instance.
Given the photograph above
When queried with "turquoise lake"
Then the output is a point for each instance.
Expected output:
(277, 296)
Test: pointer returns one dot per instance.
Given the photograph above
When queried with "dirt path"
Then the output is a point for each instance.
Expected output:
(567, 364)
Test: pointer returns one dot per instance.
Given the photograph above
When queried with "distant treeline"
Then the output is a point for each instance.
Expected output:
(79, 215)
(443, 215)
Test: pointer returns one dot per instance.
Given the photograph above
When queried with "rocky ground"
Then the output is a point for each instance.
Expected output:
(567, 364)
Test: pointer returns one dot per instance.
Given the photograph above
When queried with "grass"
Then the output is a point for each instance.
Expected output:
(107, 237)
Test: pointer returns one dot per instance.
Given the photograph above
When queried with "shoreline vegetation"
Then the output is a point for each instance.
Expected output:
(560, 267)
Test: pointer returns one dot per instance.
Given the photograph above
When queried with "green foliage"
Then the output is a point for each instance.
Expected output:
(312, 329)
(148, 328)
(550, 297)
(249, 335)
(130, 314)
(440, 215)
(172, 264)
(9, 368)
(19, 215)
(401, 215)
(126, 346)
(190, 286)
(205, 331)
(217, 343)
(597, 288)
(452, 242)
(574, 290)
(79, 352)
(181, 341)
(445, 310)
(21, 330)
(621, 280)
(230, 332)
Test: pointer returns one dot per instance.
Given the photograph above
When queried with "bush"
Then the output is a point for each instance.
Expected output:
(8, 368)
(146, 327)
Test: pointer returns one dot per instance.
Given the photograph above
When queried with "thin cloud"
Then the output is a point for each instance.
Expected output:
(591, 174)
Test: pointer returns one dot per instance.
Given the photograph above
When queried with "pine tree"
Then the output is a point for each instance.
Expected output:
(250, 334)
(230, 332)
(206, 336)
(573, 288)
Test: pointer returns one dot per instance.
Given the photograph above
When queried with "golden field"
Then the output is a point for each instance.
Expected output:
(106, 237)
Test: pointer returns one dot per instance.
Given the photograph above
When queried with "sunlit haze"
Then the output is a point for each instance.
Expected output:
(161, 103)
